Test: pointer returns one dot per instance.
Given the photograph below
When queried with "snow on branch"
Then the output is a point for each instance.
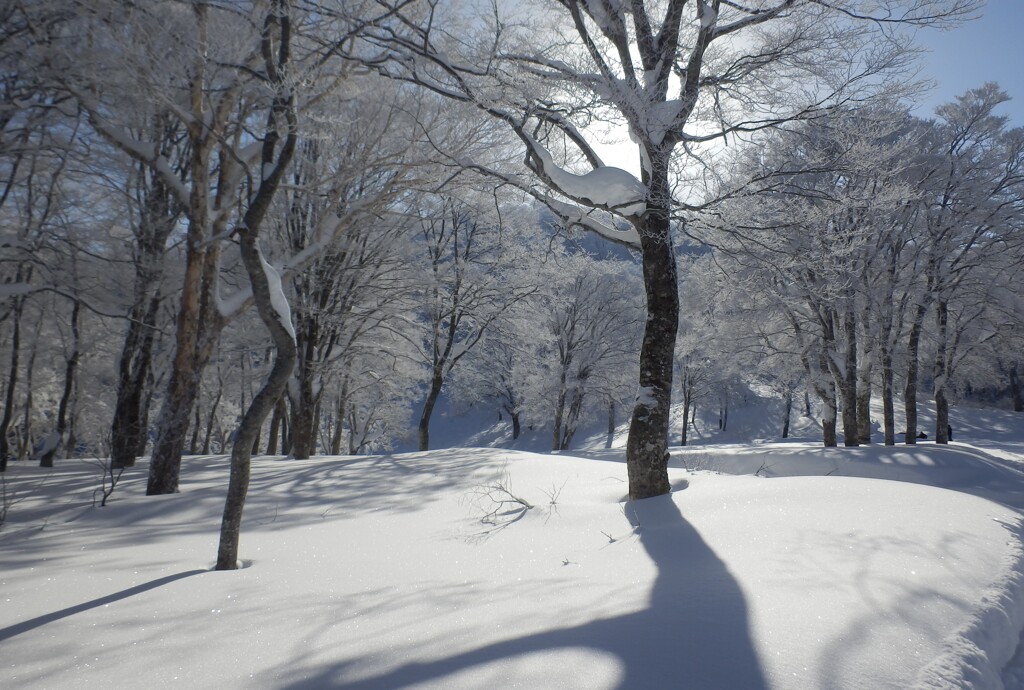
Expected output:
(278, 300)
(574, 216)
(606, 187)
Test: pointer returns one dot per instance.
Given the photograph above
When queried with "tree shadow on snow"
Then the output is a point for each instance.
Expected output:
(32, 623)
(694, 632)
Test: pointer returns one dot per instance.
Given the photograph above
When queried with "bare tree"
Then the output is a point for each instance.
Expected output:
(678, 75)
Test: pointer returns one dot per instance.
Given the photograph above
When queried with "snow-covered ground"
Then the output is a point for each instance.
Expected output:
(421, 570)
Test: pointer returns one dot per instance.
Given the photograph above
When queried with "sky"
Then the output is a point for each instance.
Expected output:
(985, 49)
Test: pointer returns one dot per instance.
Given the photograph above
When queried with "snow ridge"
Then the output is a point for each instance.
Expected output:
(977, 655)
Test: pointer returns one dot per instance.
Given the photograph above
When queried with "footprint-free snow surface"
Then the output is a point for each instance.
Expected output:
(484, 568)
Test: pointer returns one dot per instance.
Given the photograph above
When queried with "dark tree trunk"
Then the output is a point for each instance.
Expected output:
(848, 382)
(304, 406)
(941, 373)
(277, 25)
(280, 411)
(888, 410)
(1015, 389)
(70, 373)
(647, 447)
(428, 409)
(211, 418)
(787, 412)
(197, 424)
(12, 382)
(572, 419)
(910, 390)
(339, 424)
(517, 425)
(262, 404)
(686, 420)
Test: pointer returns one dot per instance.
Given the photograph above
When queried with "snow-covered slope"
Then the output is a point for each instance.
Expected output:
(422, 570)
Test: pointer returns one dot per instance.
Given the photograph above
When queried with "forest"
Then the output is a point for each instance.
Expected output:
(295, 228)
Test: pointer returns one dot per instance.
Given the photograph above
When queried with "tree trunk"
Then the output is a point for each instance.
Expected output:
(864, 406)
(786, 414)
(941, 378)
(828, 422)
(686, 419)
(910, 390)
(517, 425)
(306, 399)
(888, 411)
(848, 382)
(276, 420)
(647, 446)
(197, 424)
(556, 423)
(428, 409)
(70, 373)
(197, 332)
(262, 404)
(277, 25)
(211, 418)
(1015, 389)
(339, 423)
(866, 348)
(12, 382)
(572, 419)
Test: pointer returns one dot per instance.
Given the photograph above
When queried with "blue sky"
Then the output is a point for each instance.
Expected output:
(990, 48)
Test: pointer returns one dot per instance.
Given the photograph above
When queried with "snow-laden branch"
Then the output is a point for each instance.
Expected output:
(574, 216)
(605, 187)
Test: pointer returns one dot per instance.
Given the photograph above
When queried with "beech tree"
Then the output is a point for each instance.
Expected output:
(676, 75)
(971, 178)
(466, 288)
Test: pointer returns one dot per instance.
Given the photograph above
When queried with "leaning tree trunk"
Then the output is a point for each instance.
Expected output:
(647, 446)
(270, 300)
(262, 404)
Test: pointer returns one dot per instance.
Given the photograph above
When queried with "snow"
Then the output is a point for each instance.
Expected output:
(606, 186)
(377, 572)
(278, 300)
(574, 216)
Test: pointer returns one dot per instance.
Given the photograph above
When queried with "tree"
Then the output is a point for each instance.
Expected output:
(466, 289)
(971, 178)
(667, 72)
